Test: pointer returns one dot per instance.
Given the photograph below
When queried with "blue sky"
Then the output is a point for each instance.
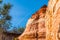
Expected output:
(22, 10)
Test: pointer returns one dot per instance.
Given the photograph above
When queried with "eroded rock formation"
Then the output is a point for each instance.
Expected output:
(35, 28)
(44, 24)
(52, 20)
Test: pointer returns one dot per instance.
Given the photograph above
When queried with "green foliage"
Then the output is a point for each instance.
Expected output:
(4, 14)
(15, 39)
(2, 21)
(0, 1)
(6, 7)
(21, 29)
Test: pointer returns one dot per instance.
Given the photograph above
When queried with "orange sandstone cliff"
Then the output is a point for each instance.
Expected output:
(44, 24)
(52, 20)
(35, 27)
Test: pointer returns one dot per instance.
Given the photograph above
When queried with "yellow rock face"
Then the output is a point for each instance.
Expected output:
(52, 20)
(35, 28)
(44, 24)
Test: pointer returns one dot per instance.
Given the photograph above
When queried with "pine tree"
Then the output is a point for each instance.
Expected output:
(4, 15)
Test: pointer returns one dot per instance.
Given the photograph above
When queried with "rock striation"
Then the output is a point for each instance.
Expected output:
(44, 24)
(52, 20)
(35, 28)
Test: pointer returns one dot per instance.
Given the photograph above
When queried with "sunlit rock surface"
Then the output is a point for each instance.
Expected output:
(44, 24)
(35, 27)
(52, 20)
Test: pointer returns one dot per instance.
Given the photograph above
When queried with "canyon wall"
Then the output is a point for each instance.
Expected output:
(35, 28)
(52, 20)
(44, 24)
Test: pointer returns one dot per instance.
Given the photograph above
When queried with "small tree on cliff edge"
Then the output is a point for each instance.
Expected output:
(4, 15)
